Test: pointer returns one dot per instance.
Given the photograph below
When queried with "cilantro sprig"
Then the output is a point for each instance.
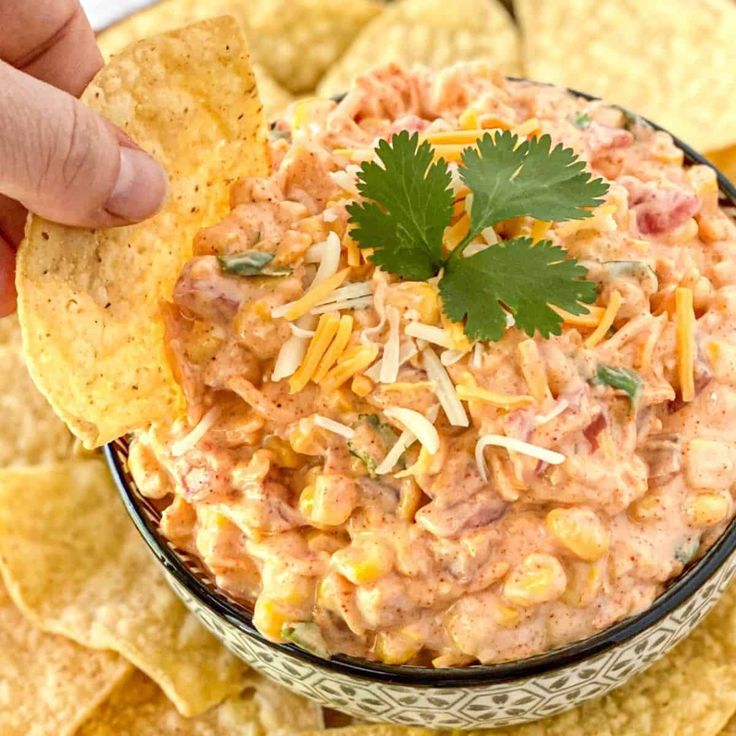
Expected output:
(408, 205)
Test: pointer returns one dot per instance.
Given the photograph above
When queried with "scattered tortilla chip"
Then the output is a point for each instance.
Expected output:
(30, 434)
(690, 692)
(429, 32)
(280, 709)
(669, 61)
(137, 707)
(730, 728)
(48, 684)
(295, 40)
(90, 301)
(274, 97)
(725, 160)
(9, 330)
(74, 564)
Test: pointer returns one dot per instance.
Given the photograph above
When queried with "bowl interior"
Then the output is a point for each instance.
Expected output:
(189, 571)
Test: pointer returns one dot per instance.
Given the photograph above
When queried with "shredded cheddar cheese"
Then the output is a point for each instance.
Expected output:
(534, 371)
(468, 120)
(455, 233)
(326, 331)
(614, 304)
(529, 127)
(685, 336)
(353, 251)
(458, 137)
(592, 319)
(540, 229)
(313, 297)
(332, 354)
(502, 401)
(353, 361)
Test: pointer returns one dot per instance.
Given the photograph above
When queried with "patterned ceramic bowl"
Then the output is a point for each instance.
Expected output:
(471, 697)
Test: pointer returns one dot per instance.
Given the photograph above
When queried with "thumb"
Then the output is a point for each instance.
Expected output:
(63, 161)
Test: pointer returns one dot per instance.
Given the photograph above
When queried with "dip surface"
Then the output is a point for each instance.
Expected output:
(299, 480)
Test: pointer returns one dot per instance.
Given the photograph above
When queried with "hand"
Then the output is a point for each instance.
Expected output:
(59, 159)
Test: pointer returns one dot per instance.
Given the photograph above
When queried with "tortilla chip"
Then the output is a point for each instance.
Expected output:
(74, 564)
(280, 709)
(295, 40)
(138, 708)
(48, 684)
(725, 160)
(427, 32)
(670, 61)
(9, 330)
(274, 97)
(90, 301)
(730, 728)
(690, 692)
(30, 433)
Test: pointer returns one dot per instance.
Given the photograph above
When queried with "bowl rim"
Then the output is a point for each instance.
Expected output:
(688, 582)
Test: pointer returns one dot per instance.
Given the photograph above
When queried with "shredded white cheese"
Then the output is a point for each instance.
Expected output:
(417, 424)
(315, 253)
(453, 407)
(329, 216)
(199, 430)
(450, 357)
(430, 333)
(330, 260)
(297, 331)
(514, 445)
(477, 359)
(361, 303)
(405, 441)
(392, 349)
(292, 352)
(351, 291)
(407, 350)
(346, 179)
(332, 426)
(544, 418)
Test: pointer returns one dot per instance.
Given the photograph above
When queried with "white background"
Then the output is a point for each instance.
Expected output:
(103, 12)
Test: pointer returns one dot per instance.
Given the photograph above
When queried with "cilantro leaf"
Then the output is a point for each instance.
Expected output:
(410, 208)
(519, 276)
(510, 179)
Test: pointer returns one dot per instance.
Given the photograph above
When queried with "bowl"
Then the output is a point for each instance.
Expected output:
(472, 697)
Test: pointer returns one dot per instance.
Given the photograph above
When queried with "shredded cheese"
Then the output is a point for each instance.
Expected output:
(529, 127)
(534, 371)
(407, 350)
(539, 230)
(293, 350)
(314, 253)
(445, 391)
(513, 445)
(449, 152)
(454, 235)
(332, 426)
(353, 251)
(300, 307)
(351, 362)
(417, 424)
(450, 357)
(468, 120)
(503, 401)
(647, 351)
(430, 333)
(361, 303)
(333, 353)
(297, 331)
(592, 319)
(199, 430)
(330, 260)
(454, 136)
(405, 441)
(477, 359)
(326, 331)
(351, 291)
(685, 339)
(391, 350)
(614, 304)
(560, 407)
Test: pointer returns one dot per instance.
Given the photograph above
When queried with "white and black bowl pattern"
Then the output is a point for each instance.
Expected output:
(471, 697)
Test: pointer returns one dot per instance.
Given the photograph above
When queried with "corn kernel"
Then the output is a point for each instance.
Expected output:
(410, 498)
(506, 616)
(468, 120)
(646, 508)
(202, 343)
(363, 563)
(269, 617)
(331, 500)
(283, 452)
(579, 530)
(537, 579)
(709, 464)
(707, 509)
(584, 582)
(361, 385)
(397, 647)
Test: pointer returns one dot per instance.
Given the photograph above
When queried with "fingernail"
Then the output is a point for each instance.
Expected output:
(141, 187)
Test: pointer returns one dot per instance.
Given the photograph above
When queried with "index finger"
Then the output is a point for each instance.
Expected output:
(50, 39)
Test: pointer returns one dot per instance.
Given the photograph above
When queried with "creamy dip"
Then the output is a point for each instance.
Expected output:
(555, 502)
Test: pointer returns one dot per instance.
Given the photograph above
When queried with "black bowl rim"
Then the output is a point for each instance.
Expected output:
(678, 592)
